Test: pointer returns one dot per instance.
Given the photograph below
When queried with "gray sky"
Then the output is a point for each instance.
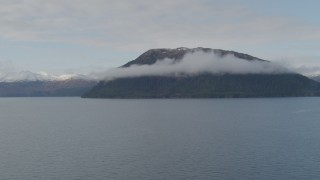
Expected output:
(81, 36)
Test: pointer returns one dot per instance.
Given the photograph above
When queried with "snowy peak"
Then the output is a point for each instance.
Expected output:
(17, 76)
(21, 76)
(29, 84)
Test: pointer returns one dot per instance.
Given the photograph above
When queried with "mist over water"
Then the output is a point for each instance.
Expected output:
(197, 63)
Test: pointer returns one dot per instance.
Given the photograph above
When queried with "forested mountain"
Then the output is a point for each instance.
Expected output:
(208, 86)
(203, 84)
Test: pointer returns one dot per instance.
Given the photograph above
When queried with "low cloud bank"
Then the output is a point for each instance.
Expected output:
(197, 63)
(307, 71)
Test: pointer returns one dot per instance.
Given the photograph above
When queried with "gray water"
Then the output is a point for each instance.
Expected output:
(73, 138)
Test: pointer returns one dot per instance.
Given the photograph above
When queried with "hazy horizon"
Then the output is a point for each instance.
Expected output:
(81, 36)
(193, 63)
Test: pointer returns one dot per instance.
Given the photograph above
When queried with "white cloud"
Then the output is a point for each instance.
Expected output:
(197, 63)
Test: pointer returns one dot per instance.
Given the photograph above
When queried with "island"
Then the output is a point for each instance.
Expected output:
(205, 84)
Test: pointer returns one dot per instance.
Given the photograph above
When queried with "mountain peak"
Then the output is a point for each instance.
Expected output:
(153, 55)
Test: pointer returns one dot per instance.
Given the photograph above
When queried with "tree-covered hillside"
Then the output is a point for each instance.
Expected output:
(207, 86)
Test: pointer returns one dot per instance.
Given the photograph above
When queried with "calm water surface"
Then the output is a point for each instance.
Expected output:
(73, 138)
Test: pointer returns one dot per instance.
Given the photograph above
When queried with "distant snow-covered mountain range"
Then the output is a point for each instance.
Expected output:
(27, 83)
(41, 76)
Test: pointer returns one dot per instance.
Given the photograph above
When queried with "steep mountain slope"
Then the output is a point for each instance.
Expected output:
(203, 85)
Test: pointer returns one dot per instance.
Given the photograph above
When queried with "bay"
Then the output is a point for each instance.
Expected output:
(74, 138)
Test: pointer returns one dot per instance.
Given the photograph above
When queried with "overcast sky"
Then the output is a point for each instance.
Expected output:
(82, 35)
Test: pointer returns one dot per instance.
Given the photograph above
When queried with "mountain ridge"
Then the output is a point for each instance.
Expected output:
(20, 76)
(153, 55)
(69, 87)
